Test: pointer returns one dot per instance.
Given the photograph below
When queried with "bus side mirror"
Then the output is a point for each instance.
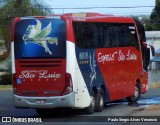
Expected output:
(152, 48)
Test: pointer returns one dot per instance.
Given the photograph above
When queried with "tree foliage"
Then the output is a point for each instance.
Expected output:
(154, 22)
(10, 9)
(14, 8)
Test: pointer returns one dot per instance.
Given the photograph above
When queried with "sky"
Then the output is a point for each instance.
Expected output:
(55, 4)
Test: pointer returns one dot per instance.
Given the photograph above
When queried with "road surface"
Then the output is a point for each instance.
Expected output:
(68, 116)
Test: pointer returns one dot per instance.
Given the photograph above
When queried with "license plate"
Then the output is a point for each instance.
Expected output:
(41, 101)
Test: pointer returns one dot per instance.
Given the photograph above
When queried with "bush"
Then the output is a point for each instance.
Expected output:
(6, 79)
(154, 85)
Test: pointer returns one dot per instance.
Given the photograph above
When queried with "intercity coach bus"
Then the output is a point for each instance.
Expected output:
(77, 61)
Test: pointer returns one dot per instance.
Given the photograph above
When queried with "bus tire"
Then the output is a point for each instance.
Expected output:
(136, 95)
(100, 101)
(91, 108)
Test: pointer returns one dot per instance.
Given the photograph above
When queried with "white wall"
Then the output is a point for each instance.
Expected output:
(153, 38)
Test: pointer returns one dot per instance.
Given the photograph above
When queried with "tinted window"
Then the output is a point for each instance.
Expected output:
(141, 31)
(145, 51)
(100, 35)
(86, 35)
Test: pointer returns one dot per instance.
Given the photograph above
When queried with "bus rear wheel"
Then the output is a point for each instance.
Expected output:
(91, 108)
(100, 101)
(136, 95)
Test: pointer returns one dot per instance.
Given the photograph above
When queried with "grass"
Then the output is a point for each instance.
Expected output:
(154, 85)
(153, 107)
(5, 87)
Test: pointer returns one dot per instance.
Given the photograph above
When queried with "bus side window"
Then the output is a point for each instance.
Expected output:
(133, 40)
(87, 38)
(100, 35)
(78, 36)
(83, 35)
(125, 40)
(95, 36)
(120, 36)
(115, 36)
(106, 37)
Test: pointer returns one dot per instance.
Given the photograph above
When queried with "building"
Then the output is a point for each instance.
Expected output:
(153, 38)
(155, 61)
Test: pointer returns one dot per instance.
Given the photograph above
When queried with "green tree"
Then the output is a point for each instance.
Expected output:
(10, 9)
(14, 8)
(18, 8)
(154, 22)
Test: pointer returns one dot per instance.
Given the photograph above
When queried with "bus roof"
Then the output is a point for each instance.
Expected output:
(112, 19)
(96, 17)
(88, 17)
(85, 14)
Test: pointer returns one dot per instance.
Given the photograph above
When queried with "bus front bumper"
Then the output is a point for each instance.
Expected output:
(44, 102)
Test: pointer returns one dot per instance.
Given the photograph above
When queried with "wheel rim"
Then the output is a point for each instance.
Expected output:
(92, 103)
(136, 92)
(101, 101)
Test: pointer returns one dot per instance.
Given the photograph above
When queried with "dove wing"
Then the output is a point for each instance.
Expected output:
(39, 25)
(45, 32)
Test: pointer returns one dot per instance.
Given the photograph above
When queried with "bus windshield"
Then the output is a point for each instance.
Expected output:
(40, 38)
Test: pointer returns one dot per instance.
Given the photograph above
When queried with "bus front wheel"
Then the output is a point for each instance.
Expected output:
(136, 95)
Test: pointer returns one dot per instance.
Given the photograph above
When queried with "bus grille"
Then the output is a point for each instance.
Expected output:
(40, 63)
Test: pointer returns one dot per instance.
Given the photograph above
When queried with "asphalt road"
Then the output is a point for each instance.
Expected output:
(68, 116)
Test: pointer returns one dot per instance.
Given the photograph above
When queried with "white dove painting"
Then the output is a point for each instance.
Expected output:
(36, 35)
(93, 68)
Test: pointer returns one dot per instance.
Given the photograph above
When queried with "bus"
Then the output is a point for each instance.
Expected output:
(79, 61)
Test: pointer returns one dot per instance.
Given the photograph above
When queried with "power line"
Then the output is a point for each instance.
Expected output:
(92, 7)
(119, 13)
(95, 7)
